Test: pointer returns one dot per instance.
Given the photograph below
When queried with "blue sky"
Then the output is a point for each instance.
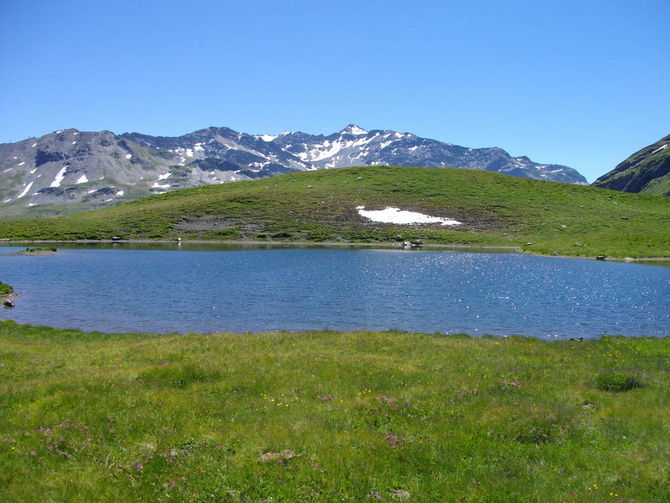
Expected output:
(581, 83)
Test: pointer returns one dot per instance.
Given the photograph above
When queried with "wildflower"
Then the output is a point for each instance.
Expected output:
(399, 494)
(279, 457)
(389, 402)
(394, 441)
(513, 383)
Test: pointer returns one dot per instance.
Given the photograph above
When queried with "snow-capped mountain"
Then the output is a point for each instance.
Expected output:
(70, 170)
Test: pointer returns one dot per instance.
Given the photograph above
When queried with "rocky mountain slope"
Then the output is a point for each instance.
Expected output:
(647, 170)
(69, 170)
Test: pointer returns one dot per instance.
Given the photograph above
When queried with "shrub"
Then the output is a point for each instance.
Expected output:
(614, 381)
(282, 235)
(38, 250)
(176, 376)
(538, 426)
(5, 289)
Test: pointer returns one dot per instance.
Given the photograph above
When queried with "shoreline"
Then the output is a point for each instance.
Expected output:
(8, 297)
(35, 253)
(329, 244)
(6, 322)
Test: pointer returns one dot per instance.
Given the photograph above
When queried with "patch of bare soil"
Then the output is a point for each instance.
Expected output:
(217, 223)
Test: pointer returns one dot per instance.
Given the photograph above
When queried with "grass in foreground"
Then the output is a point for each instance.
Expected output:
(324, 416)
(496, 210)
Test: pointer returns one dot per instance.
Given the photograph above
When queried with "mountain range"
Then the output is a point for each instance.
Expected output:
(69, 170)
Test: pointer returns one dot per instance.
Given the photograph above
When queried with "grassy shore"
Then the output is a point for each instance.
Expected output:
(320, 206)
(325, 416)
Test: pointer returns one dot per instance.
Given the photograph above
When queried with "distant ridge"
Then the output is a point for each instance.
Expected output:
(69, 170)
(646, 171)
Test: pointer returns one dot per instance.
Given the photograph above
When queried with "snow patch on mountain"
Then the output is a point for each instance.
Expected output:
(662, 147)
(391, 215)
(25, 191)
(59, 177)
(354, 129)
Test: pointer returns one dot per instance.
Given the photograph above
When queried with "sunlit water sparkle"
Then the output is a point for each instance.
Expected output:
(299, 289)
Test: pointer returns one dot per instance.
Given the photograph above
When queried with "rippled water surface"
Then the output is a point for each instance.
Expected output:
(295, 289)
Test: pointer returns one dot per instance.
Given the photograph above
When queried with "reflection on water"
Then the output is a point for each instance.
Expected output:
(206, 288)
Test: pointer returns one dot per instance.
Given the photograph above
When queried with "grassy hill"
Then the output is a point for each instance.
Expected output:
(321, 206)
(324, 416)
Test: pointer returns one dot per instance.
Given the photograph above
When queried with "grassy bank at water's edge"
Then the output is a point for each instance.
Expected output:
(326, 416)
(495, 210)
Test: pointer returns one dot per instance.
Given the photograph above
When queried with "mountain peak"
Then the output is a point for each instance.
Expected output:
(354, 129)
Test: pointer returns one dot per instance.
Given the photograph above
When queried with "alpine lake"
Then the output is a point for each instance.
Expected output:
(207, 288)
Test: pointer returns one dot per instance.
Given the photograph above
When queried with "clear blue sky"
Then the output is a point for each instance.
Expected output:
(576, 82)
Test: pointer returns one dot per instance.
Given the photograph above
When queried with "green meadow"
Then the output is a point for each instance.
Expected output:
(325, 416)
(495, 210)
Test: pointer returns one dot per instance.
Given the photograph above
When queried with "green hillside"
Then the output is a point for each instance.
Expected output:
(321, 206)
(646, 171)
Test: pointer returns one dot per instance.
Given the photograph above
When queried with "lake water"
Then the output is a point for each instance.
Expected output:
(124, 290)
